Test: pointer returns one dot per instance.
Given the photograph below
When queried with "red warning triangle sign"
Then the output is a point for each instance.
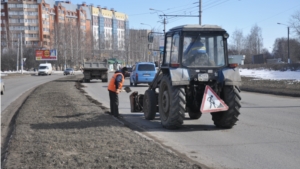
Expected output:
(211, 102)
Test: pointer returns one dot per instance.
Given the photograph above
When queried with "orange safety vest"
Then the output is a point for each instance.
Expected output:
(112, 86)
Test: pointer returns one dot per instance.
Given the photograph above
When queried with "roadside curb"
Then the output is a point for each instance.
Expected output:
(8, 117)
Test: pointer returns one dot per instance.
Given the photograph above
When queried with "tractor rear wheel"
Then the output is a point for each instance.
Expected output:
(195, 114)
(231, 97)
(171, 104)
(149, 105)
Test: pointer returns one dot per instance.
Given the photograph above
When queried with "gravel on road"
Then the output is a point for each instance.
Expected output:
(58, 126)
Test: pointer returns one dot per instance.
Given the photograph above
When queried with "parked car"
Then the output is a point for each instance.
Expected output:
(142, 72)
(126, 71)
(2, 87)
(69, 71)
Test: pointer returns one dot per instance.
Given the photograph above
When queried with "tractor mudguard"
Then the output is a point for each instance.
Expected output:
(230, 76)
(136, 102)
(179, 76)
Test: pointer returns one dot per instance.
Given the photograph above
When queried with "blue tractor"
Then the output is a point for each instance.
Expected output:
(195, 57)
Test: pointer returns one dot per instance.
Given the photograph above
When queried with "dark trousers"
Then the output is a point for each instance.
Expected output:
(114, 103)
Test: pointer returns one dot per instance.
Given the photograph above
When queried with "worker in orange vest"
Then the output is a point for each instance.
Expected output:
(114, 88)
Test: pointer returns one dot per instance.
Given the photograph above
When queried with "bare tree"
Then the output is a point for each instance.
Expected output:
(281, 49)
(253, 43)
(237, 42)
(295, 22)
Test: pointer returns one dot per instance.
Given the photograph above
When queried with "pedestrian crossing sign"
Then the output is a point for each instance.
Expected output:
(211, 102)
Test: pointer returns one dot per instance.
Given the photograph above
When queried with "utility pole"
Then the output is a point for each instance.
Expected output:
(200, 11)
(289, 61)
(65, 56)
(288, 30)
(21, 54)
(18, 55)
(165, 24)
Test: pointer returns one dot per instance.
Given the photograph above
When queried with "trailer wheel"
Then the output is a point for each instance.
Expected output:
(171, 104)
(149, 105)
(231, 97)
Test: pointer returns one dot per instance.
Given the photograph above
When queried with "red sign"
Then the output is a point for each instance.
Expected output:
(46, 54)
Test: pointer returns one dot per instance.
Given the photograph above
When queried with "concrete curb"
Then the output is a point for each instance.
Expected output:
(8, 117)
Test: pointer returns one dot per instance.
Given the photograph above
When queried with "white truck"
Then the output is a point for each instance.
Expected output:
(45, 69)
(95, 70)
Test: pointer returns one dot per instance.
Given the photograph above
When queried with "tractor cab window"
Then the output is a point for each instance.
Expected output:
(168, 51)
(174, 49)
(203, 50)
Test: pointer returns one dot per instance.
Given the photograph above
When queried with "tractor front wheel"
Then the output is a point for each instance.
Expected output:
(171, 104)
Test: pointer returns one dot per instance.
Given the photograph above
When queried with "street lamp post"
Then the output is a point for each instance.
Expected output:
(164, 18)
(288, 28)
(65, 56)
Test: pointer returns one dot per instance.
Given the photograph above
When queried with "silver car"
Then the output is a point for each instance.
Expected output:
(69, 71)
(2, 87)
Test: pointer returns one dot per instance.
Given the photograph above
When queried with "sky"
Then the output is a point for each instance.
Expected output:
(230, 14)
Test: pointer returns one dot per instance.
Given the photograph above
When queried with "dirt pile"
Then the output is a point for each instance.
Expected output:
(276, 87)
(59, 127)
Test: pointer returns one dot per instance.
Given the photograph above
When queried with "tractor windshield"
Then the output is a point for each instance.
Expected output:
(201, 50)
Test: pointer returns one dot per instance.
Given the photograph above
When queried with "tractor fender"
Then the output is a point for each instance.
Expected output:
(230, 76)
(179, 76)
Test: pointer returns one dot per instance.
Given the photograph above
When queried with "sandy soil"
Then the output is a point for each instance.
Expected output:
(59, 127)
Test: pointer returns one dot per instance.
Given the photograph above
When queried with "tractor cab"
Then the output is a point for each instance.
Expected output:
(196, 46)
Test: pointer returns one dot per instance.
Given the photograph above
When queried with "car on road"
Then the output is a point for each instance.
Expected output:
(45, 69)
(2, 87)
(142, 72)
(69, 71)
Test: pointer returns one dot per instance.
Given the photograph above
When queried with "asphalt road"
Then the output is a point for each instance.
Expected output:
(267, 134)
(15, 87)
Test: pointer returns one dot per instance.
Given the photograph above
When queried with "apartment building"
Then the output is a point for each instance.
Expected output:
(19, 18)
(110, 30)
(39, 22)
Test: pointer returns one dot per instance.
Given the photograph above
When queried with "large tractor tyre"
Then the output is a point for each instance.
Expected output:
(149, 104)
(194, 114)
(171, 104)
(227, 119)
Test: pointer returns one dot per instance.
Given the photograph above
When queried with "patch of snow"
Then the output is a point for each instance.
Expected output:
(271, 74)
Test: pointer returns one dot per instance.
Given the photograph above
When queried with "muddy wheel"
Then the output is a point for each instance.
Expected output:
(171, 104)
(149, 105)
(231, 97)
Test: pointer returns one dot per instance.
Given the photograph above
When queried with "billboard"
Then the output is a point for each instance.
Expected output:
(46, 54)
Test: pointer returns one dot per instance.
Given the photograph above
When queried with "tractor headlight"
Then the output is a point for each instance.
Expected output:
(226, 35)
